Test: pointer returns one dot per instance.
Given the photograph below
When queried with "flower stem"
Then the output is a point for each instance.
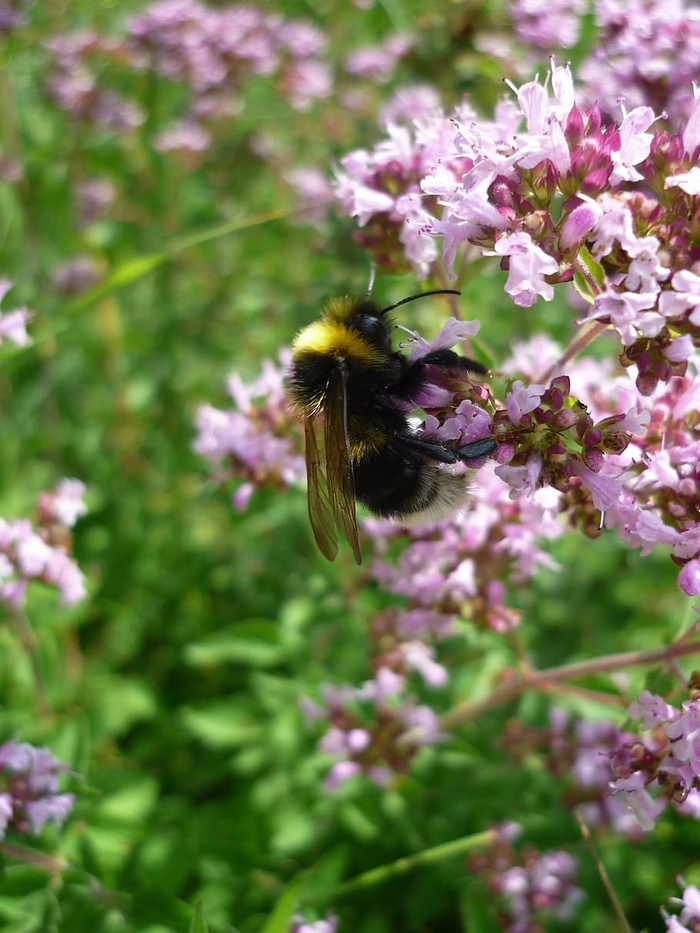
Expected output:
(29, 643)
(604, 877)
(586, 335)
(538, 680)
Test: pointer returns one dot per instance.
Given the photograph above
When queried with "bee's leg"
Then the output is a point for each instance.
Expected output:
(413, 375)
(476, 449)
(448, 359)
(433, 450)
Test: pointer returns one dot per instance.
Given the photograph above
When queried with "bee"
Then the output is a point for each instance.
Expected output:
(345, 372)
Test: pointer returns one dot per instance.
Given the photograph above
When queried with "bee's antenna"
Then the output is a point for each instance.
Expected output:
(370, 284)
(438, 291)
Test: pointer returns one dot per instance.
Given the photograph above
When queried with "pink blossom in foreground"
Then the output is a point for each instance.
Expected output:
(381, 188)
(646, 486)
(555, 191)
(29, 796)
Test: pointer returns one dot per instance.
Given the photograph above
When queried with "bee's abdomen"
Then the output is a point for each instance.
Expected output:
(408, 487)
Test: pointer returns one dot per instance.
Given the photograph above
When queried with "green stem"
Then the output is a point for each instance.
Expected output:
(59, 867)
(29, 643)
(392, 870)
(141, 266)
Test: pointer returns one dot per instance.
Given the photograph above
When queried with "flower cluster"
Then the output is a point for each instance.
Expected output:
(548, 438)
(529, 886)
(667, 760)
(43, 553)
(373, 729)
(378, 62)
(381, 189)
(252, 441)
(688, 921)
(647, 52)
(75, 87)
(652, 484)
(30, 798)
(566, 196)
(660, 500)
(544, 25)
(580, 753)
(214, 52)
(613, 206)
(461, 567)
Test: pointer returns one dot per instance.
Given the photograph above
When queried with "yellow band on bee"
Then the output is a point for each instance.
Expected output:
(333, 338)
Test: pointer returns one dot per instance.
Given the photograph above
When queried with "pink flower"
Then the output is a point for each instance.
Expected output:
(13, 324)
(32, 799)
(451, 332)
(689, 578)
(527, 268)
(638, 800)
(523, 399)
(635, 143)
(652, 710)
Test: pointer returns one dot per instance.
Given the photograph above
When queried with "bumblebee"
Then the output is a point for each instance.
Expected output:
(345, 371)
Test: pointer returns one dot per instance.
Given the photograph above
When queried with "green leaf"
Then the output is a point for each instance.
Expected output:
(589, 276)
(285, 908)
(254, 643)
(225, 724)
(199, 924)
(133, 802)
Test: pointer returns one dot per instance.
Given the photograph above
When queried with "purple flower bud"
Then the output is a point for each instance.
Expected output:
(579, 223)
(689, 578)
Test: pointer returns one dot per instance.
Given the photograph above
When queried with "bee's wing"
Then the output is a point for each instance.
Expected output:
(341, 483)
(320, 510)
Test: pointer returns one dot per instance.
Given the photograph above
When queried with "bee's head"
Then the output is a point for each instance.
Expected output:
(368, 320)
